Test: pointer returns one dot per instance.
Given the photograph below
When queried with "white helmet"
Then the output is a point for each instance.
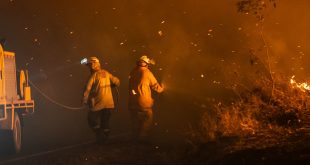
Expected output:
(147, 60)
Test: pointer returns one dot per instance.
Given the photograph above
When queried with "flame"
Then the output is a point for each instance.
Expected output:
(302, 86)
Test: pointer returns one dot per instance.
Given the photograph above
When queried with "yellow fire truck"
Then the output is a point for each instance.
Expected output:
(15, 101)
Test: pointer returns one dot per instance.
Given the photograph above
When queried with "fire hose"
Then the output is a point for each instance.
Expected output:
(49, 98)
(62, 105)
(52, 100)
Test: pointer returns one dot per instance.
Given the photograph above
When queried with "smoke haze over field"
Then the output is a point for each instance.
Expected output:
(199, 46)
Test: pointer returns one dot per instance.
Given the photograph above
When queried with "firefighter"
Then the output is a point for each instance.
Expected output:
(141, 82)
(98, 96)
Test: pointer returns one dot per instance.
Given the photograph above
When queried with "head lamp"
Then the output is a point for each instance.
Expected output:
(84, 61)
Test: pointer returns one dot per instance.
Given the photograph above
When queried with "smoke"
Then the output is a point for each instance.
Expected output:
(200, 48)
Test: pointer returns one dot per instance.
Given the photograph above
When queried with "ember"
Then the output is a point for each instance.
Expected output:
(302, 86)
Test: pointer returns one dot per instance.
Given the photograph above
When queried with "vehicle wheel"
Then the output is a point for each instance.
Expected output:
(16, 134)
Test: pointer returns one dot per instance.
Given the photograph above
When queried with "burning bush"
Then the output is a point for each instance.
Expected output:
(276, 106)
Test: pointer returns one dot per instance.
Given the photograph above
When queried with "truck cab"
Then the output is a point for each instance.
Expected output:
(15, 101)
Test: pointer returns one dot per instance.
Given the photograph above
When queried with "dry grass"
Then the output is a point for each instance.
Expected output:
(284, 110)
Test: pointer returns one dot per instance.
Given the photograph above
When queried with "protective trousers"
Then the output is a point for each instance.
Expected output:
(142, 120)
(98, 121)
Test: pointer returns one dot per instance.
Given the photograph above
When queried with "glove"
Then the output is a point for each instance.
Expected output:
(85, 101)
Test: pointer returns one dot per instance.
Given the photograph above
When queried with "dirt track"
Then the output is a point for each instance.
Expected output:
(115, 151)
(259, 149)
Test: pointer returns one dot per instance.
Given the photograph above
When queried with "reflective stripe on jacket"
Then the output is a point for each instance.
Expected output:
(98, 91)
(141, 81)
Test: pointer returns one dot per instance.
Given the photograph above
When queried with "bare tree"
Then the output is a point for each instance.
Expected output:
(258, 9)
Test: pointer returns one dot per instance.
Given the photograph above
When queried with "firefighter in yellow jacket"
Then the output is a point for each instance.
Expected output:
(98, 95)
(141, 82)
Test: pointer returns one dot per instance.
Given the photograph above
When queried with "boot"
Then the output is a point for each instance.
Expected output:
(98, 136)
(106, 132)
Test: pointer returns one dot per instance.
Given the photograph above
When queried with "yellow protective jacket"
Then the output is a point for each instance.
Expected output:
(98, 93)
(141, 81)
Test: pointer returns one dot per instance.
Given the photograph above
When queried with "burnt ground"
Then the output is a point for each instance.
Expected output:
(264, 148)
(253, 150)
